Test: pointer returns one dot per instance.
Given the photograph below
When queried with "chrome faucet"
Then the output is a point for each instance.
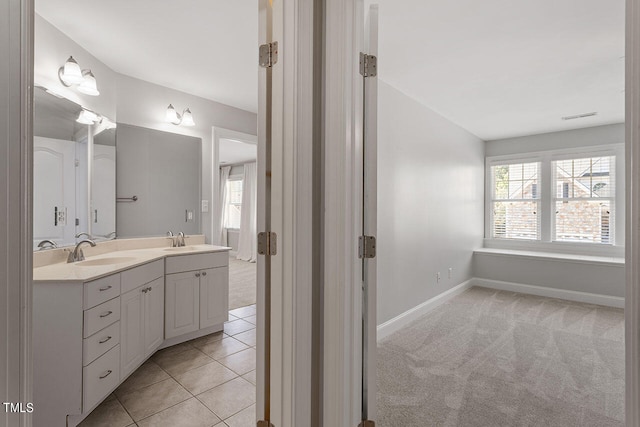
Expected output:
(77, 254)
(174, 240)
(180, 239)
(47, 244)
(89, 236)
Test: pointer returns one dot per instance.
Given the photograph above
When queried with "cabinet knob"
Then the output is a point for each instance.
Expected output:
(197, 274)
(204, 273)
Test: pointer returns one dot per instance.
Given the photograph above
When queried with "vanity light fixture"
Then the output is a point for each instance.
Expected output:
(185, 119)
(71, 74)
(87, 117)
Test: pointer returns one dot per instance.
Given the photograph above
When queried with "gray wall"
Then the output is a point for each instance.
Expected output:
(597, 135)
(163, 170)
(558, 274)
(430, 202)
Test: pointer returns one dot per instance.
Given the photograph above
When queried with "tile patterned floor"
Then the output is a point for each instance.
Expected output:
(206, 382)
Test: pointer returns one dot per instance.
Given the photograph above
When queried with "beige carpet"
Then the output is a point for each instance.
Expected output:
(494, 358)
(242, 283)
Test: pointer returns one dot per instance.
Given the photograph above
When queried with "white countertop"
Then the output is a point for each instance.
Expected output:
(79, 272)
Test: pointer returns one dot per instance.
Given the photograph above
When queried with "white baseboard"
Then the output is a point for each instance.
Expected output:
(542, 291)
(402, 320)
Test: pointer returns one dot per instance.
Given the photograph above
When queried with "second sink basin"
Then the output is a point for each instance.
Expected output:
(105, 261)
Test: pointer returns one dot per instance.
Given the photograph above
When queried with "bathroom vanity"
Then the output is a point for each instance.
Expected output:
(96, 321)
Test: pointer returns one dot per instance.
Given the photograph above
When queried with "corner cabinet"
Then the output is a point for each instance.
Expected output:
(197, 293)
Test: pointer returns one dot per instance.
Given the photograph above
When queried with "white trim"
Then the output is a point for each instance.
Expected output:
(542, 291)
(553, 256)
(632, 162)
(217, 134)
(16, 214)
(344, 28)
(409, 316)
(546, 181)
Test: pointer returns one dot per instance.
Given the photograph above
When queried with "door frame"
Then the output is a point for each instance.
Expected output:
(16, 215)
(342, 126)
(290, 23)
(219, 133)
(632, 229)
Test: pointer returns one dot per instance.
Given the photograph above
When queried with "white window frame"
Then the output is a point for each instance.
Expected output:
(236, 177)
(491, 187)
(547, 207)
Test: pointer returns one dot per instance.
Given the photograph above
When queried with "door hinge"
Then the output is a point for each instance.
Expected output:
(264, 424)
(367, 423)
(267, 243)
(366, 247)
(268, 54)
(368, 65)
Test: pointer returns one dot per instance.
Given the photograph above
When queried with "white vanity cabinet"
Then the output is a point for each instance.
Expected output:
(197, 293)
(142, 315)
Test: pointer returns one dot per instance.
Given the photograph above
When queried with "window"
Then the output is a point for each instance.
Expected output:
(554, 198)
(234, 205)
(515, 202)
(584, 199)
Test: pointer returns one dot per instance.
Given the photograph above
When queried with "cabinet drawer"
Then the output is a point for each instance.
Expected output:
(101, 316)
(101, 290)
(100, 378)
(99, 343)
(177, 264)
(141, 275)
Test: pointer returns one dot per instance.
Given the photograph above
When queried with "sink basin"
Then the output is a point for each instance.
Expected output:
(181, 249)
(104, 261)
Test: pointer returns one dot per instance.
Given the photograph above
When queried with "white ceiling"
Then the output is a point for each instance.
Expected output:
(498, 68)
(202, 47)
(505, 68)
(233, 152)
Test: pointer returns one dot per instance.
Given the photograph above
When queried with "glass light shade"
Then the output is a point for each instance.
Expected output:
(89, 85)
(87, 117)
(71, 74)
(187, 118)
(172, 116)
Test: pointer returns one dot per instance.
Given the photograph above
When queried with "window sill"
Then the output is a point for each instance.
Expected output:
(554, 256)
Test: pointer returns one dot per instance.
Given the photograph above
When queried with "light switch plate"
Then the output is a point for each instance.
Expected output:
(205, 206)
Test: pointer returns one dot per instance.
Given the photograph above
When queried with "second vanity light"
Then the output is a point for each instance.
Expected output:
(184, 119)
(71, 74)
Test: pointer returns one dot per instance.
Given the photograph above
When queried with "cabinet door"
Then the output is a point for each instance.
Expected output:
(182, 293)
(153, 316)
(214, 296)
(131, 330)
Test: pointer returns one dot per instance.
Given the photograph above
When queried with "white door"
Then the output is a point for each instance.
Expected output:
(153, 316)
(103, 193)
(182, 313)
(214, 296)
(131, 330)
(54, 183)
(369, 214)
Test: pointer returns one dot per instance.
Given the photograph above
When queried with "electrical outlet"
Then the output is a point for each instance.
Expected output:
(205, 206)
(450, 272)
(438, 277)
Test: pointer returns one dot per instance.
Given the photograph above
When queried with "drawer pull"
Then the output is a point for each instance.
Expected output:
(204, 273)
(104, 340)
(109, 372)
(106, 288)
(108, 313)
